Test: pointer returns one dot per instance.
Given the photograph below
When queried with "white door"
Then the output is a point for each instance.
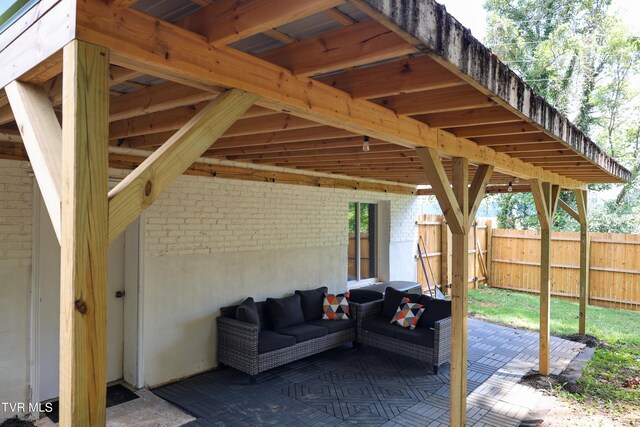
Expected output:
(47, 287)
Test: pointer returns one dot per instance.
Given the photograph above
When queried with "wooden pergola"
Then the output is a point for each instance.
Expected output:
(166, 88)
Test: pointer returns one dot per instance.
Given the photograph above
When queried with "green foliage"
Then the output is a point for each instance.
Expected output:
(603, 377)
(364, 217)
(584, 61)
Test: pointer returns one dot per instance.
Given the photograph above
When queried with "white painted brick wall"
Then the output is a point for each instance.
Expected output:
(16, 194)
(205, 215)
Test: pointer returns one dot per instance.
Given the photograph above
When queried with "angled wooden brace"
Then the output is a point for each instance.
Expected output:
(439, 182)
(153, 176)
(42, 136)
(478, 189)
(568, 209)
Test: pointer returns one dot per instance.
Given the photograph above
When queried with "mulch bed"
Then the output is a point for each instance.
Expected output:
(550, 383)
(588, 340)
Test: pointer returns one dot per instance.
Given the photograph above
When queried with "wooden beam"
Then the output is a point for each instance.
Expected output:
(522, 138)
(568, 209)
(439, 182)
(179, 55)
(342, 48)
(472, 117)
(459, 296)
(339, 17)
(84, 244)
(516, 128)
(280, 36)
(585, 245)
(393, 78)
(42, 138)
(121, 4)
(227, 21)
(478, 188)
(41, 38)
(541, 203)
(437, 101)
(138, 190)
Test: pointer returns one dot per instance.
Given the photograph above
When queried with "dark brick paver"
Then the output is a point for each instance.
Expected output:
(373, 388)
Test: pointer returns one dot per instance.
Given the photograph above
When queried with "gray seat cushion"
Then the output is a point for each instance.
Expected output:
(270, 341)
(304, 332)
(334, 325)
(381, 326)
(284, 312)
(419, 336)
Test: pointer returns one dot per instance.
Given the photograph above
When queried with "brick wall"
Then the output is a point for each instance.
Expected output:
(16, 193)
(205, 215)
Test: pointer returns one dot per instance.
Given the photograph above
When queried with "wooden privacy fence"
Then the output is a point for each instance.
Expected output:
(614, 276)
(435, 233)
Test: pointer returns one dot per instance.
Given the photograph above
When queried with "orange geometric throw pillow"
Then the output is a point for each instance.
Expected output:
(335, 307)
(408, 314)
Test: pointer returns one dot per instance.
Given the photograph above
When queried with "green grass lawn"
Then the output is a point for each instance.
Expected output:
(611, 366)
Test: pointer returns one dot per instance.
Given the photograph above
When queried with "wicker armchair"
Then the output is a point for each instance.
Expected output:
(238, 344)
(436, 356)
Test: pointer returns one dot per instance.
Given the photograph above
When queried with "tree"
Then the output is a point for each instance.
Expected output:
(583, 60)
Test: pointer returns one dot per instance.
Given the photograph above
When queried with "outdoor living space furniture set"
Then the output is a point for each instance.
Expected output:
(254, 337)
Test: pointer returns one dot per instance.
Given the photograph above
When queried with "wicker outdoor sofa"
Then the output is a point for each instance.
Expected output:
(239, 342)
(429, 343)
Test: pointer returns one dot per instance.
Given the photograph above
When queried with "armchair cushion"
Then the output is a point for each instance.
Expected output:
(360, 296)
(284, 312)
(304, 332)
(434, 310)
(270, 341)
(419, 336)
(311, 301)
(247, 312)
(380, 326)
(392, 299)
(334, 325)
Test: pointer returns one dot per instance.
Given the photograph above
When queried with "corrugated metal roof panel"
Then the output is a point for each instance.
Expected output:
(169, 10)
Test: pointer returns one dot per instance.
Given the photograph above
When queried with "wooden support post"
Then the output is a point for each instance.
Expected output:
(459, 296)
(457, 204)
(445, 266)
(545, 196)
(489, 256)
(585, 244)
(84, 243)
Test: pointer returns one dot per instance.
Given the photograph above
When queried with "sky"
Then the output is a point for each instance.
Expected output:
(472, 15)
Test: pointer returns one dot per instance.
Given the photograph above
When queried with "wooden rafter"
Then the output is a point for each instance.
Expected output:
(516, 128)
(192, 64)
(342, 48)
(42, 138)
(227, 21)
(140, 188)
(437, 101)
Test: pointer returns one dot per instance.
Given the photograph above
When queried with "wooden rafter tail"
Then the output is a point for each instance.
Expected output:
(142, 186)
(42, 138)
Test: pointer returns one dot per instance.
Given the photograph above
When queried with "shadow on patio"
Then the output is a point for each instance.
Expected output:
(372, 387)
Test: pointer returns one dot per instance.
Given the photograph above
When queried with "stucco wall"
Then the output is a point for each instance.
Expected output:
(16, 194)
(210, 243)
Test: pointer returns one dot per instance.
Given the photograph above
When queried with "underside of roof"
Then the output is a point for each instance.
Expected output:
(409, 61)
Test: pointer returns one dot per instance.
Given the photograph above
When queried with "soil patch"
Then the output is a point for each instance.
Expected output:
(588, 340)
(551, 383)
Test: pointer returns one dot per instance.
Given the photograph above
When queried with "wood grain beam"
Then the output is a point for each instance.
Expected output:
(42, 137)
(342, 48)
(441, 186)
(525, 139)
(585, 244)
(568, 209)
(477, 190)
(227, 21)
(472, 117)
(143, 186)
(493, 130)
(179, 55)
(437, 101)
(84, 244)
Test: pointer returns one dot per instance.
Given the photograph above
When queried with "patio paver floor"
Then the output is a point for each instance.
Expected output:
(373, 387)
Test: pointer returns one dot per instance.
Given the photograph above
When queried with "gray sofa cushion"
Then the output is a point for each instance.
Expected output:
(334, 325)
(311, 301)
(434, 310)
(284, 312)
(380, 326)
(419, 336)
(270, 341)
(304, 332)
(247, 312)
(392, 298)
